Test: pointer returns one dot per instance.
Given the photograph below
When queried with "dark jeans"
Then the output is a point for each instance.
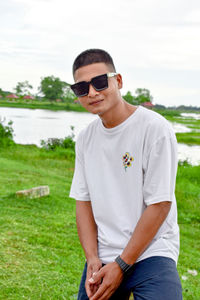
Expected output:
(154, 278)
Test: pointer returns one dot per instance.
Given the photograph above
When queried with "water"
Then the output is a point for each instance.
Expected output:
(180, 127)
(31, 126)
(191, 115)
(189, 153)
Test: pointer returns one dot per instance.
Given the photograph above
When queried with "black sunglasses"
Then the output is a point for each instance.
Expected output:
(100, 83)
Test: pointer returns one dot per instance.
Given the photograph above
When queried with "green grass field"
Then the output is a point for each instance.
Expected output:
(40, 254)
(35, 104)
(190, 138)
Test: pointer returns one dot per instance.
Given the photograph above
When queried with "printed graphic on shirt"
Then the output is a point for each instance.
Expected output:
(127, 159)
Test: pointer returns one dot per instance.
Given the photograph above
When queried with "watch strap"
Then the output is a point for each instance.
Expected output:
(124, 266)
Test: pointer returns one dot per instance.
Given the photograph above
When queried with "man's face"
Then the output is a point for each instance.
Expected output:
(99, 102)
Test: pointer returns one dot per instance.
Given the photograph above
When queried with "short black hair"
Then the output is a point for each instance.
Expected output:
(92, 56)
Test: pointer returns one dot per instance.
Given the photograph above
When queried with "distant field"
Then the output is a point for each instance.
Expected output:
(190, 138)
(35, 104)
(69, 105)
(40, 255)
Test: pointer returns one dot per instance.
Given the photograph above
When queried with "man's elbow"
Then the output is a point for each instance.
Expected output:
(163, 208)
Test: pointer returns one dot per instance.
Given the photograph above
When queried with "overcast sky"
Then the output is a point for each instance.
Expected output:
(155, 44)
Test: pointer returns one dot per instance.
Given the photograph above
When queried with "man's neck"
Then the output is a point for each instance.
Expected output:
(118, 115)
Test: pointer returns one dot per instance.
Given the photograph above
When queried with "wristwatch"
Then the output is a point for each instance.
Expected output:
(124, 266)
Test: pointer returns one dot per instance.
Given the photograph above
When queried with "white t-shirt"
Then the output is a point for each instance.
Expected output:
(122, 170)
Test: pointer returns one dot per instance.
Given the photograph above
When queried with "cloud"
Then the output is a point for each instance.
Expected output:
(46, 35)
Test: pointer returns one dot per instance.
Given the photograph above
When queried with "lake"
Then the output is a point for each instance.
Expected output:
(32, 125)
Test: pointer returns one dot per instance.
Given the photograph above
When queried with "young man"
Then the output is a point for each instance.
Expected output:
(124, 184)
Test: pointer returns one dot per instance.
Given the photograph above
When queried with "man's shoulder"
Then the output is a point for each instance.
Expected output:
(155, 125)
(151, 116)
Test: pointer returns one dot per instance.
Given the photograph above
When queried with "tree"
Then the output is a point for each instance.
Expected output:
(52, 87)
(130, 98)
(23, 88)
(68, 94)
(2, 93)
(143, 95)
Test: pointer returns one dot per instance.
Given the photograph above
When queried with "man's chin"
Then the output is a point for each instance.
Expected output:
(96, 112)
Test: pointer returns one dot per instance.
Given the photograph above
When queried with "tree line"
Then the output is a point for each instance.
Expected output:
(52, 88)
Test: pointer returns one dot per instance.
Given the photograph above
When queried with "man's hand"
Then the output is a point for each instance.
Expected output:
(110, 277)
(93, 266)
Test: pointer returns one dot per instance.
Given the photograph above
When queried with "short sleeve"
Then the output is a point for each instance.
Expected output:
(79, 188)
(160, 167)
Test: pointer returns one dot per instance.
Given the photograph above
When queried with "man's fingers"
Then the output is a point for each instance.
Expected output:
(96, 277)
(101, 294)
(88, 290)
(91, 288)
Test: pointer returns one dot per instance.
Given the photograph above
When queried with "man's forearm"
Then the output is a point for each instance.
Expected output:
(87, 229)
(147, 227)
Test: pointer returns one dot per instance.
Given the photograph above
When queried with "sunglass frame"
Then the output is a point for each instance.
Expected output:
(73, 86)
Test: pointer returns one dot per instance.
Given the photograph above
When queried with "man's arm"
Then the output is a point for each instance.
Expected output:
(147, 227)
(87, 231)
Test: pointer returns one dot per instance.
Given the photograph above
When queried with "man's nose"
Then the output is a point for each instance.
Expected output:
(92, 91)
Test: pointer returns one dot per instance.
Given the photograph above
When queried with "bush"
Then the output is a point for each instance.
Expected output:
(55, 143)
(168, 112)
(184, 163)
(6, 134)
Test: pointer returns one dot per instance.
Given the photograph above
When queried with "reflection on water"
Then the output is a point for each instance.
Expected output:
(31, 126)
(180, 127)
(16, 116)
(191, 115)
(189, 153)
(47, 118)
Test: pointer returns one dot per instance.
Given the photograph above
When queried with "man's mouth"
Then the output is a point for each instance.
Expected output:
(95, 102)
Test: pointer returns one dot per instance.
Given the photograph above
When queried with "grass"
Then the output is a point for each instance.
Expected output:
(168, 113)
(40, 254)
(188, 201)
(190, 138)
(189, 122)
(35, 104)
(175, 117)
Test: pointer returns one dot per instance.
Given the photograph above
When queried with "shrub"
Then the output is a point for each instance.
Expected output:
(184, 163)
(55, 143)
(6, 134)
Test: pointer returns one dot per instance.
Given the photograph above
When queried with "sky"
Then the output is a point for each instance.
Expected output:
(154, 44)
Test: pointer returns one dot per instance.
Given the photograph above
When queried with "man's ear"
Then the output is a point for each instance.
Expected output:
(119, 81)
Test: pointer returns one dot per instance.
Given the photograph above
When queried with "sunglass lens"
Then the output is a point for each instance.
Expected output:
(80, 89)
(100, 82)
